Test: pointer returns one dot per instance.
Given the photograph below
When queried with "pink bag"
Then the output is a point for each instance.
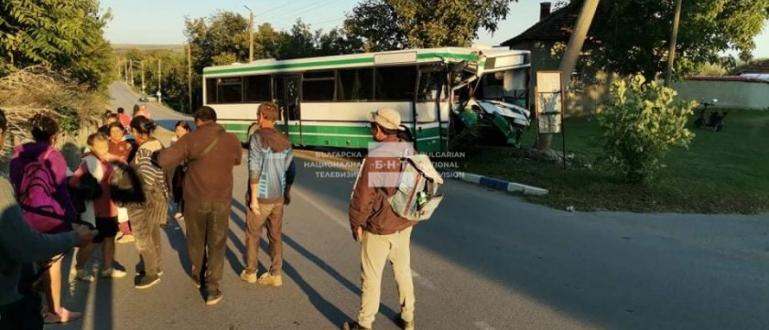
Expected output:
(35, 196)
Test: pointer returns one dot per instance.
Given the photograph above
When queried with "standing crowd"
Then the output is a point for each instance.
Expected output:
(121, 190)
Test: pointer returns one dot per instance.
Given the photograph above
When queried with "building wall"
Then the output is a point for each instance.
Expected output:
(730, 94)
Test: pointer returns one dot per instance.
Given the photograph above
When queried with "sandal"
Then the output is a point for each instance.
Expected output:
(61, 316)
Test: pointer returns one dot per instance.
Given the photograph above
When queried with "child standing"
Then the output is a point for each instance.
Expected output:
(101, 211)
(121, 149)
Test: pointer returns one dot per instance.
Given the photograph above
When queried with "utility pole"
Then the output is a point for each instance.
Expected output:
(250, 35)
(673, 40)
(160, 78)
(131, 72)
(189, 75)
(141, 64)
(569, 60)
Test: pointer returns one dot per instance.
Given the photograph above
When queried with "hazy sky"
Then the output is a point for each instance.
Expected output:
(162, 22)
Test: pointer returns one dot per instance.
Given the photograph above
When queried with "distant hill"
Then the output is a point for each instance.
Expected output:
(122, 48)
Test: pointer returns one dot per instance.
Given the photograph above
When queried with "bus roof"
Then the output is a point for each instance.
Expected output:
(448, 54)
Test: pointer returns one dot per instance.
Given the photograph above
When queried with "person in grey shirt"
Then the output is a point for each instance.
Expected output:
(20, 247)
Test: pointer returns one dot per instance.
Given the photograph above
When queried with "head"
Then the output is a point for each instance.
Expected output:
(99, 145)
(267, 115)
(142, 128)
(182, 128)
(111, 118)
(120, 110)
(204, 115)
(135, 110)
(385, 124)
(44, 129)
(3, 129)
(116, 132)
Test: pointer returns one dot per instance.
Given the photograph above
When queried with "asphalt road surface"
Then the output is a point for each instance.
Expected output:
(487, 260)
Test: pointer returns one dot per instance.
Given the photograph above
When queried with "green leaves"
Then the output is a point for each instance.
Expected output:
(640, 123)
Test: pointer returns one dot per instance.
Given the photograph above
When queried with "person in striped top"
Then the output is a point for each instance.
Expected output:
(146, 217)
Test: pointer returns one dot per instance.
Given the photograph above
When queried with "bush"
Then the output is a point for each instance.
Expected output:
(640, 123)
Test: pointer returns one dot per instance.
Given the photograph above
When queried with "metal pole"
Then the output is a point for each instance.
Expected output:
(189, 75)
(250, 35)
(673, 41)
(144, 87)
(160, 76)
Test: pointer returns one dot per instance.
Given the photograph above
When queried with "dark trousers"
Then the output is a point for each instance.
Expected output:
(207, 225)
(270, 216)
(23, 314)
(145, 222)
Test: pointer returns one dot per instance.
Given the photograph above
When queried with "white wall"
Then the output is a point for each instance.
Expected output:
(730, 94)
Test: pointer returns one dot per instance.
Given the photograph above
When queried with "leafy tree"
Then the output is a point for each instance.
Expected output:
(66, 35)
(641, 123)
(632, 36)
(397, 24)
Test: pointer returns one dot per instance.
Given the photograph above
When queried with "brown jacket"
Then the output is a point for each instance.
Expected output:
(377, 180)
(208, 178)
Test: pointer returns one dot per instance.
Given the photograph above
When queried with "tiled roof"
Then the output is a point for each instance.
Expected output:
(558, 26)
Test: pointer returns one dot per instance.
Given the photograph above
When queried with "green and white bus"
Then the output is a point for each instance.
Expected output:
(327, 101)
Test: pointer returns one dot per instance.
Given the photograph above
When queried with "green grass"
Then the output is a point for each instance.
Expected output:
(724, 172)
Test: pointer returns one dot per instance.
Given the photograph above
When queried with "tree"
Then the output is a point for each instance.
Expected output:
(66, 35)
(397, 24)
(633, 36)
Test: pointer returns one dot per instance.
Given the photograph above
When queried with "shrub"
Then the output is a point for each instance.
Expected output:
(640, 123)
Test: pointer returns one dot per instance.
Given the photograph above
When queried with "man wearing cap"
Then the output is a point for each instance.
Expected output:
(382, 233)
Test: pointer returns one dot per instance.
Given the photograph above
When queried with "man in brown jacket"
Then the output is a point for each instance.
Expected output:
(211, 153)
(383, 234)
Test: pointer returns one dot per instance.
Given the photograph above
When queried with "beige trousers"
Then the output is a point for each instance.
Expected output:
(374, 252)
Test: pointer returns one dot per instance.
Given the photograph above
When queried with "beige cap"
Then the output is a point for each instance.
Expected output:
(387, 118)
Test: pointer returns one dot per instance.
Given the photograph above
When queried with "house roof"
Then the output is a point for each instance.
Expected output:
(558, 26)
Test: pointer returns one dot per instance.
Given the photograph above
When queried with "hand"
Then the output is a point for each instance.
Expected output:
(85, 234)
(287, 198)
(359, 234)
(255, 207)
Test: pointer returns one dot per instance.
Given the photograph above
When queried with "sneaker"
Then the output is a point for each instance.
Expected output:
(403, 324)
(160, 273)
(353, 326)
(246, 276)
(84, 276)
(271, 280)
(112, 273)
(214, 298)
(61, 316)
(125, 238)
(147, 281)
(196, 281)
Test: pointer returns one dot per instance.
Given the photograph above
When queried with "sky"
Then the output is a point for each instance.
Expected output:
(162, 22)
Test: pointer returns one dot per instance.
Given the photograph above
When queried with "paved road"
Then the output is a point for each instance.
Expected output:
(486, 261)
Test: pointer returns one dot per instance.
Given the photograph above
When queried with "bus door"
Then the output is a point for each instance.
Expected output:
(289, 94)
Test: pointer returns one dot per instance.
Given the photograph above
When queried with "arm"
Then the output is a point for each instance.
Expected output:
(238, 151)
(255, 162)
(174, 155)
(61, 195)
(362, 199)
(20, 241)
(74, 180)
(290, 177)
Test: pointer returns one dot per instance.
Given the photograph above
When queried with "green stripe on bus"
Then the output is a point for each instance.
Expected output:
(365, 60)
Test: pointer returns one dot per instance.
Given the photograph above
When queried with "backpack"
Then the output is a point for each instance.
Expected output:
(35, 196)
(417, 196)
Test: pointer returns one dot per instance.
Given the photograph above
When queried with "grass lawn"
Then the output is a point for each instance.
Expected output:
(724, 172)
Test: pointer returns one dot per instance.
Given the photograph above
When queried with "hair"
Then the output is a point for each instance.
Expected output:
(120, 110)
(3, 121)
(205, 114)
(404, 135)
(136, 109)
(143, 125)
(43, 128)
(98, 136)
(110, 116)
(183, 124)
(269, 111)
(116, 124)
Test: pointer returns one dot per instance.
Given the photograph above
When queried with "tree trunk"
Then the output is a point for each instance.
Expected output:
(673, 40)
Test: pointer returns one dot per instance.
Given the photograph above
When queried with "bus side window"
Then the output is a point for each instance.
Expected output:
(229, 90)
(257, 89)
(395, 83)
(355, 85)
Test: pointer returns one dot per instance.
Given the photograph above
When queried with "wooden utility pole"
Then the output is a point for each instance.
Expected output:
(144, 87)
(131, 72)
(673, 41)
(250, 35)
(570, 57)
(189, 76)
(160, 78)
